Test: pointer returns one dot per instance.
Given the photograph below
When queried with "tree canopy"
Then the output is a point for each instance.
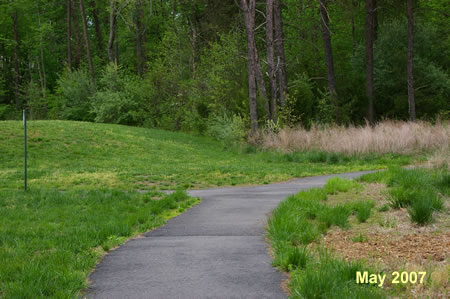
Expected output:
(180, 64)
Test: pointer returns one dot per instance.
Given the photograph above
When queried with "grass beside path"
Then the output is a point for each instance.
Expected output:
(68, 155)
(82, 198)
(51, 240)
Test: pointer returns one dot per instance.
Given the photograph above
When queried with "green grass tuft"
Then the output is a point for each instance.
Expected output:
(290, 257)
(337, 184)
(330, 277)
(362, 209)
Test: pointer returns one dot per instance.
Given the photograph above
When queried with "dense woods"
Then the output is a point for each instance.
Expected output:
(200, 64)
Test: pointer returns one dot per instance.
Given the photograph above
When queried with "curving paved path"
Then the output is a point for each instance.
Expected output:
(215, 250)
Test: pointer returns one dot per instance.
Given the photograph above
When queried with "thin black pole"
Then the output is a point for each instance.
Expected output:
(25, 144)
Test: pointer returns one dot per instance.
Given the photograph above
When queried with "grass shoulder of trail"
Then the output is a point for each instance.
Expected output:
(51, 240)
(323, 237)
(67, 155)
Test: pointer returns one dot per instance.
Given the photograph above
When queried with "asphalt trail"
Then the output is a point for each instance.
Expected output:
(215, 250)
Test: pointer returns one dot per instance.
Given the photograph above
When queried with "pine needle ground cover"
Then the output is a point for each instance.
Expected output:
(324, 237)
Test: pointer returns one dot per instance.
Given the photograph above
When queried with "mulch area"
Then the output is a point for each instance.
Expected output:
(389, 249)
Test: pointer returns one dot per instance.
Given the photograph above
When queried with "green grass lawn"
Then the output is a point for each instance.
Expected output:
(67, 155)
(82, 198)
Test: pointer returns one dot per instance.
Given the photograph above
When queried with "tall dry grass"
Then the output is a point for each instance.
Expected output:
(385, 137)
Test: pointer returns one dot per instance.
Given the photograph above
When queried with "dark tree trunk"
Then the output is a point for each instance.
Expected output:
(375, 21)
(16, 60)
(43, 76)
(411, 102)
(98, 30)
(112, 31)
(260, 79)
(270, 61)
(248, 6)
(369, 58)
(174, 9)
(140, 36)
(325, 20)
(69, 34)
(279, 48)
(86, 39)
(78, 39)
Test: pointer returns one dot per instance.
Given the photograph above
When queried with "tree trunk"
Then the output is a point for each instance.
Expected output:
(69, 34)
(411, 102)
(43, 77)
(369, 58)
(140, 30)
(279, 48)
(174, 9)
(270, 61)
(325, 20)
(112, 31)
(78, 39)
(248, 6)
(16, 60)
(375, 21)
(98, 30)
(260, 79)
(86, 39)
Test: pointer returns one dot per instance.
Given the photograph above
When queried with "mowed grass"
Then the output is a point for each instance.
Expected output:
(68, 155)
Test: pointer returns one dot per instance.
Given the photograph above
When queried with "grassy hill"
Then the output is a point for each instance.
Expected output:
(76, 155)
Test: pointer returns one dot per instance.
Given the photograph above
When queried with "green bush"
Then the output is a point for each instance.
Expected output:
(229, 130)
(121, 98)
(74, 92)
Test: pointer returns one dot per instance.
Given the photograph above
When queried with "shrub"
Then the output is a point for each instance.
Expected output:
(74, 92)
(121, 99)
(229, 130)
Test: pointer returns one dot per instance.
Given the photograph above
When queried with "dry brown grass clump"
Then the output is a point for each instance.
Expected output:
(385, 137)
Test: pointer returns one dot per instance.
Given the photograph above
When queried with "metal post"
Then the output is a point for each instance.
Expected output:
(25, 144)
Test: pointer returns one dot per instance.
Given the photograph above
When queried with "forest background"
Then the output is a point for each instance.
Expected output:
(200, 65)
